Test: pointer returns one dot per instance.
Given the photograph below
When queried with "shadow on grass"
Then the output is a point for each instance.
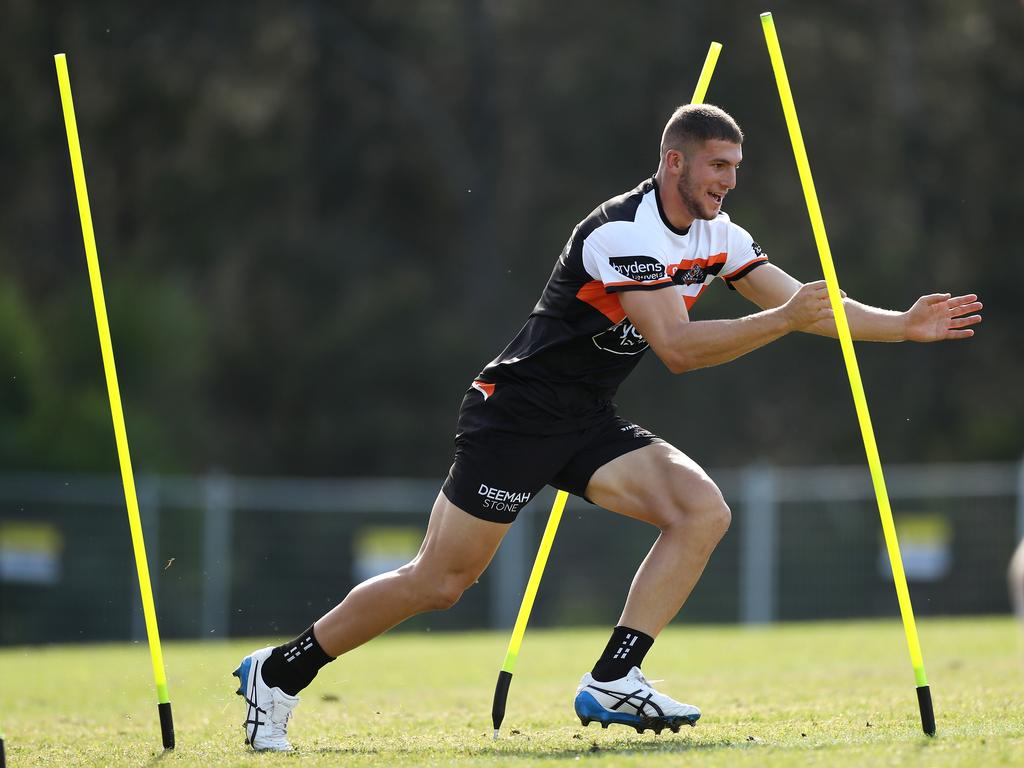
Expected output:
(581, 748)
(159, 756)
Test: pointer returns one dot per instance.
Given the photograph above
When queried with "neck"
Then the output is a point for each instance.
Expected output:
(672, 205)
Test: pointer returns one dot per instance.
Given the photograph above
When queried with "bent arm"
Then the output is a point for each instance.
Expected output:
(932, 318)
(661, 318)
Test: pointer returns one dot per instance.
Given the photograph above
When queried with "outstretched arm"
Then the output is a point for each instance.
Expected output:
(661, 318)
(936, 317)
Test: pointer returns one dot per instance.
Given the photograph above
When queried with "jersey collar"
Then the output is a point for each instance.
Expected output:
(661, 212)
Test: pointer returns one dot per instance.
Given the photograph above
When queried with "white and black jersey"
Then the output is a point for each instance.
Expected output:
(562, 369)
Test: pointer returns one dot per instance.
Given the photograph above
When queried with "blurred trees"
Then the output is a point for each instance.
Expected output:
(317, 221)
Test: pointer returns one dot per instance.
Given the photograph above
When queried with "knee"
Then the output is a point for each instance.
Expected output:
(705, 512)
(720, 517)
(443, 592)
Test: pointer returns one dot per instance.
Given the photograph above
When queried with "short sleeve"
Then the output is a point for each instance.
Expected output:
(744, 255)
(621, 270)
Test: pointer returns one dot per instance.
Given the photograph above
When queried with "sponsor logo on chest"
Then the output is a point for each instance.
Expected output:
(621, 339)
(643, 269)
(692, 276)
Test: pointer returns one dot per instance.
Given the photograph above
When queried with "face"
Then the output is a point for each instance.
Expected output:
(707, 176)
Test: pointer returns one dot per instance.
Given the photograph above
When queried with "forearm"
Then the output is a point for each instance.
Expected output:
(866, 323)
(704, 343)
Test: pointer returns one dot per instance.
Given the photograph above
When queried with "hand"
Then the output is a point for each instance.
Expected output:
(808, 306)
(938, 317)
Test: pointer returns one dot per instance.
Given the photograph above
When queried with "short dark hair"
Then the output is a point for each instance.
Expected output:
(691, 124)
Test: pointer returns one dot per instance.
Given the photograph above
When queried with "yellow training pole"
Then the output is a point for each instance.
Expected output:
(120, 434)
(705, 74)
(508, 668)
(853, 372)
(533, 583)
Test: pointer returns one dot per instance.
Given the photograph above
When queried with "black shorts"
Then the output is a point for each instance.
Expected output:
(497, 470)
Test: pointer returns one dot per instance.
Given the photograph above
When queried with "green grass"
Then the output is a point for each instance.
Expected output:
(828, 694)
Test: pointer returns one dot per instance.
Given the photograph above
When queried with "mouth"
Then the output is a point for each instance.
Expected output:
(717, 198)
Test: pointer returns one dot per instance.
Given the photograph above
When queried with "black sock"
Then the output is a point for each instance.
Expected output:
(624, 651)
(292, 666)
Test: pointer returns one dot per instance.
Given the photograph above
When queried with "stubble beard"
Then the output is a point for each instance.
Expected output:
(691, 200)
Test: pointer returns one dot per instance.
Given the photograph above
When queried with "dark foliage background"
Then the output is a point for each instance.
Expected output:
(317, 221)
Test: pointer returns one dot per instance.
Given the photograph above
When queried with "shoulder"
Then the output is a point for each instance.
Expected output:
(624, 207)
(725, 230)
(617, 223)
(721, 223)
(621, 208)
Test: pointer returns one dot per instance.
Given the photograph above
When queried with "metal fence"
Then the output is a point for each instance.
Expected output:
(241, 556)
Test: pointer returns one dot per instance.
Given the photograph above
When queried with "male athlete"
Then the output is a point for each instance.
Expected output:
(541, 413)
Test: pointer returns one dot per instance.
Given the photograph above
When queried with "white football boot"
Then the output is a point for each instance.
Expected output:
(631, 701)
(266, 718)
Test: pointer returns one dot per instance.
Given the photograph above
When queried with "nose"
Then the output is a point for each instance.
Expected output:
(730, 178)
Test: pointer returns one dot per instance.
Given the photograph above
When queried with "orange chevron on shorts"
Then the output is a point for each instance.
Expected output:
(484, 388)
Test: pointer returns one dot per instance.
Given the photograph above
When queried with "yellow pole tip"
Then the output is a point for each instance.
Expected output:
(766, 15)
(59, 56)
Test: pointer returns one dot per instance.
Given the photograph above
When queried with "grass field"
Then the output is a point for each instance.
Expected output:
(829, 694)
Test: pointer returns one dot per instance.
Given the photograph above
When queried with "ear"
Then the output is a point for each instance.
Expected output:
(674, 160)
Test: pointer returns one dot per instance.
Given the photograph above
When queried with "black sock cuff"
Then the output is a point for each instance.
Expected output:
(641, 636)
(292, 666)
(304, 644)
(626, 649)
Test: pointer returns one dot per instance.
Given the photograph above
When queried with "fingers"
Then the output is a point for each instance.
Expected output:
(822, 285)
(952, 302)
(820, 289)
(825, 301)
(963, 322)
(809, 305)
(965, 309)
(958, 327)
(964, 334)
(822, 309)
(970, 297)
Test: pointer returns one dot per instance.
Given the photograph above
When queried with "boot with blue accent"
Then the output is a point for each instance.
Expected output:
(631, 701)
(267, 709)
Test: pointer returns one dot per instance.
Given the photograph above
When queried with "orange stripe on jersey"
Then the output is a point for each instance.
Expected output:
(607, 304)
(484, 388)
(686, 264)
(691, 300)
(759, 260)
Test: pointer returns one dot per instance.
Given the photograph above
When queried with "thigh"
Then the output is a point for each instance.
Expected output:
(654, 483)
(597, 446)
(456, 541)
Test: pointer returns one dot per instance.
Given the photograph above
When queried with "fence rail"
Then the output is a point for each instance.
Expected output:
(759, 495)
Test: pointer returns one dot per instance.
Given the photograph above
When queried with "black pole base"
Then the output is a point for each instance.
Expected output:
(166, 725)
(500, 697)
(3, 755)
(924, 700)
